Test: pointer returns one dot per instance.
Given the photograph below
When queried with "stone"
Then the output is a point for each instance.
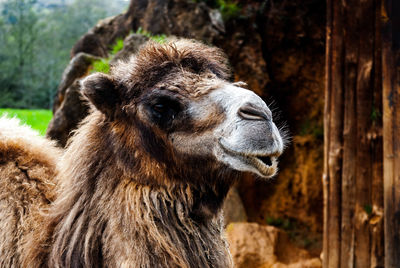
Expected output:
(98, 40)
(233, 208)
(255, 246)
(77, 68)
(176, 17)
(67, 117)
(131, 45)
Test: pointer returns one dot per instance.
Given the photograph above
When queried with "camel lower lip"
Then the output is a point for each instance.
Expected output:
(265, 164)
(262, 167)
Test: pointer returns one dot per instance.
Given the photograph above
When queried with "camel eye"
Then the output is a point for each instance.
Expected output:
(164, 111)
(159, 108)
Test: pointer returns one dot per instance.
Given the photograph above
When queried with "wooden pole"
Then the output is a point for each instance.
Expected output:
(353, 172)
(391, 129)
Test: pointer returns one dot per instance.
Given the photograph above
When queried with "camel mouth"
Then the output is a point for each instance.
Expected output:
(267, 160)
(263, 164)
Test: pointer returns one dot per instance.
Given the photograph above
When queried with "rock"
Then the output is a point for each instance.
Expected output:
(216, 20)
(98, 39)
(131, 46)
(175, 17)
(233, 208)
(78, 67)
(310, 263)
(72, 110)
(68, 108)
(255, 246)
(90, 43)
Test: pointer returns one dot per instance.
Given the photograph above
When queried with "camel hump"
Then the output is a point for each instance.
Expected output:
(27, 170)
(19, 141)
(26, 158)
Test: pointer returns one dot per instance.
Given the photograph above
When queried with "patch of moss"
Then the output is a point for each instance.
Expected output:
(298, 233)
(229, 8)
(285, 224)
(117, 47)
(368, 209)
(375, 114)
(159, 38)
(102, 66)
(312, 128)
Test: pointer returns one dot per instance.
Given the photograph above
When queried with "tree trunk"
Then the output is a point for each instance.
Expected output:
(391, 130)
(353, 171)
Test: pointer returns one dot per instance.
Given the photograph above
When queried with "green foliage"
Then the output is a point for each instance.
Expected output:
(37, 119)
(35, 45)
(229, 8)
(19, 30)
(102, 66)
(307, 242)
(375, 114)
(368, 209)
(117, 47)
(159, 38)
(297, 232)
(285, 224)
(312, 128)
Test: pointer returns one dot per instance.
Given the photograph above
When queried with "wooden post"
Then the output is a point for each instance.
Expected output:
(391, 130)
(353, 172)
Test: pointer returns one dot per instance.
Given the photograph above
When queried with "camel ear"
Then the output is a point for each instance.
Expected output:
(101, 91)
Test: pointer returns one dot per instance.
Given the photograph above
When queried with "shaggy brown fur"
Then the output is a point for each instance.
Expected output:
(27, 171)
(125, 197)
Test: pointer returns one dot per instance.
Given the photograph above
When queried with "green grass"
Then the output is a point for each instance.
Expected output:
(37, 119)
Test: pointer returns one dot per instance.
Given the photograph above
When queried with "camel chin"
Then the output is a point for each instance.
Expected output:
(264, 165)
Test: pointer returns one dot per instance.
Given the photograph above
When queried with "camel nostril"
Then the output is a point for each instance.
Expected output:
(250, 112)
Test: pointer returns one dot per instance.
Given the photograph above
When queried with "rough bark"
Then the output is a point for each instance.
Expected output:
(353, 171)
(391, 130)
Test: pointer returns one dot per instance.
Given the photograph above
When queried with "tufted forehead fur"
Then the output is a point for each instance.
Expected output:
(155, 61)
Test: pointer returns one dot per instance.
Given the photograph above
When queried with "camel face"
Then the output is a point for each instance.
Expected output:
(234, 126)
(174, 103)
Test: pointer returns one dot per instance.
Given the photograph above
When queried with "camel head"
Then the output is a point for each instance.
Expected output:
(173, 103)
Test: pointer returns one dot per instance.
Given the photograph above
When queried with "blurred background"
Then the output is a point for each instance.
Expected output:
(276, 46)
(36, 37)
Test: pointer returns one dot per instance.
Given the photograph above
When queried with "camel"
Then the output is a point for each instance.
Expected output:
(142, 181)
